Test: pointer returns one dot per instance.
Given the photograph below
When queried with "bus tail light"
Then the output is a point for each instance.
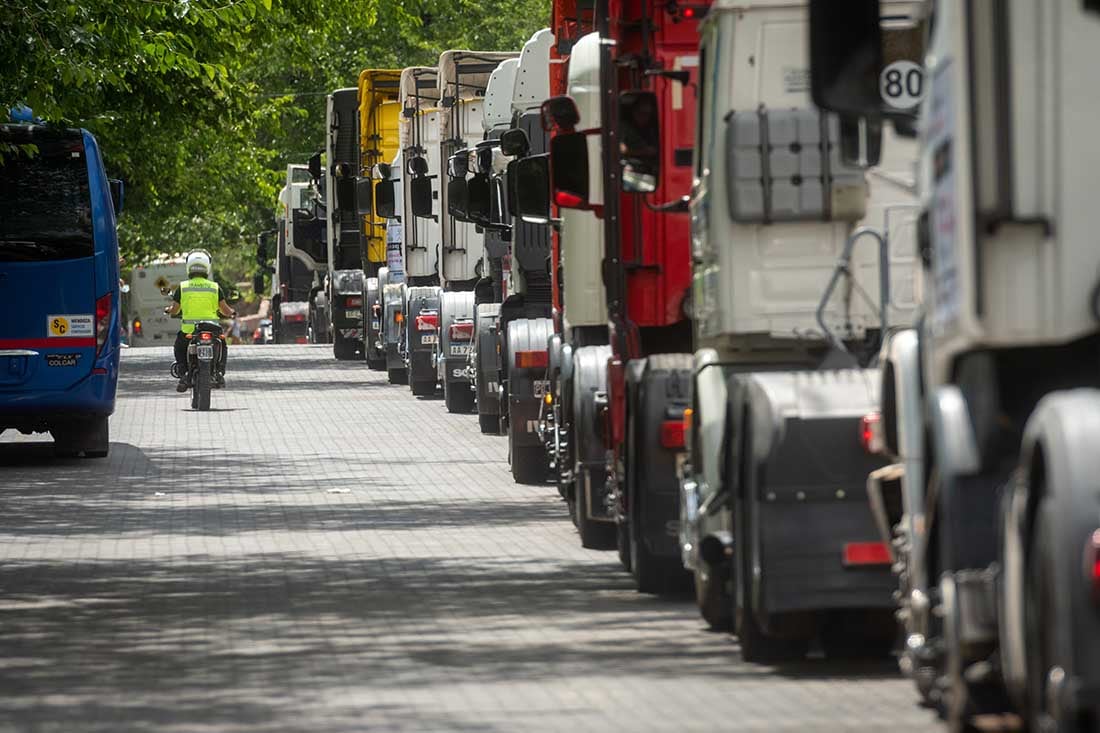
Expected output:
(102, 322)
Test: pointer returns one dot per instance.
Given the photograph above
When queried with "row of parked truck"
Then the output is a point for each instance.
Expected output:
(794, 301)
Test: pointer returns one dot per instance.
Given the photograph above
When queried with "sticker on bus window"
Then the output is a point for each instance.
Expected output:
(68, 326)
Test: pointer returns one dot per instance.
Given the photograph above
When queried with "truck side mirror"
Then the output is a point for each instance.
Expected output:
(364, 196)
(346, 194)
(640, 141)
(383, 170)
(560, 112)
(314, 165)
(118, 190)
(457, 199)
(569, 164)
(262, 254)
(514, 143)
(846, 56)
(477, 198)
(258, 283)
(531, 187)
(420, 192)
(385, 199)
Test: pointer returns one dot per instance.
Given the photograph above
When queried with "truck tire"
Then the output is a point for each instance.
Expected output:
(458, 397)
(344, 349)
(489, 423)
(377, 365)
(528, 462)
(710, 595)
(423, 387)
(397, 376)
(90, 437)
(654, 575)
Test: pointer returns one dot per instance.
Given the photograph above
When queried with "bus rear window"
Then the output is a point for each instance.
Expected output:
(45, 206)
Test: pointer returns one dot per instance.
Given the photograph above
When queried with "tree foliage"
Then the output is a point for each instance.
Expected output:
(201, 104)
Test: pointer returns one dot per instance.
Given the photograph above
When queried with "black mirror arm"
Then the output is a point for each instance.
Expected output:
(677, 206)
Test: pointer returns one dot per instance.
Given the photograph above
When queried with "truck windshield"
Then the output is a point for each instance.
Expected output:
(45, 206)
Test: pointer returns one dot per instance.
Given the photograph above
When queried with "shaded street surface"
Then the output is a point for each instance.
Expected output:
(325, 552)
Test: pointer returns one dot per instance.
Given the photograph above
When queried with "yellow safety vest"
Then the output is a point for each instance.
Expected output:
(198, 302)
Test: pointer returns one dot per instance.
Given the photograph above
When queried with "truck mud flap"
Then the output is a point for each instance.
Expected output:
(526, 386)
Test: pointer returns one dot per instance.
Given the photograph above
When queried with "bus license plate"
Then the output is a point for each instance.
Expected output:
(460, 349)
(206, 352)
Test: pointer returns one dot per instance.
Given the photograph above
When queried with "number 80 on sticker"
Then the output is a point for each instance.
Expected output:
(901, 84)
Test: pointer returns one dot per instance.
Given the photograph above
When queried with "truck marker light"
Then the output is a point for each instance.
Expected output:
(1092, 565)
(532, 359)
(102, 321)
(548, 398)
(137, 326)
(398, 317)
(866, 553)
(672, 434)
(354, 301)
(870, 432)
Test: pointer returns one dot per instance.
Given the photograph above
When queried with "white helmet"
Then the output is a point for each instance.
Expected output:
(198, 263)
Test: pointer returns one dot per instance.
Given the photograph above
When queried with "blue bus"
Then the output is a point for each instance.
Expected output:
(59, 287)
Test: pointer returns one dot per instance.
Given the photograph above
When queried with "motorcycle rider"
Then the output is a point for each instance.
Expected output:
(199, 299)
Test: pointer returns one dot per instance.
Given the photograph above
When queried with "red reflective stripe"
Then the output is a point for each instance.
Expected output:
(56, 342)
(866, 553)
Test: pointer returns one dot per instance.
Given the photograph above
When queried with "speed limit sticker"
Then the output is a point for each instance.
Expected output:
(901, 84)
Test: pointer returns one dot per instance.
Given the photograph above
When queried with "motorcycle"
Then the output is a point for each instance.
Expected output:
(204, 357)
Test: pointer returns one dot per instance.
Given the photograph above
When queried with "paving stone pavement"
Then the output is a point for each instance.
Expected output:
(324, 552)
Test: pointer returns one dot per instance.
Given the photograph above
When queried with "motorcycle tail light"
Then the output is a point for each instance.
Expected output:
(206, 336)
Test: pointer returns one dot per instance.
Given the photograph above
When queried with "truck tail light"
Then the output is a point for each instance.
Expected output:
(295, 318)
(1092, 565)
(137, 326)
(354, 301)
(102, 322)
(567, 200)
(427, 321)
(672, 434)
(532, 359)
(462, 331)
(870, 434)
(866, 553)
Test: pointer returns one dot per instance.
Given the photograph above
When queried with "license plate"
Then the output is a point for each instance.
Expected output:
(354, 315)
(428, 338)
(541, 386)
(376, 325)
(206, 352)
(460, 349)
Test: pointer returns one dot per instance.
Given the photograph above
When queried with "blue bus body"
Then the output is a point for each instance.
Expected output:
(59, 288)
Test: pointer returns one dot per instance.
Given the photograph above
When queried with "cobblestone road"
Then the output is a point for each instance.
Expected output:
(325, 552)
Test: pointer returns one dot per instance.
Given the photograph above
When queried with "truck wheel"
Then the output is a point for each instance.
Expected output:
(711, 597)
(489, 423)
(90, 437)
(397, 376)
(376, 365)
(1039, 624)
(458, 397)
(653, 575)
(422, 387)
